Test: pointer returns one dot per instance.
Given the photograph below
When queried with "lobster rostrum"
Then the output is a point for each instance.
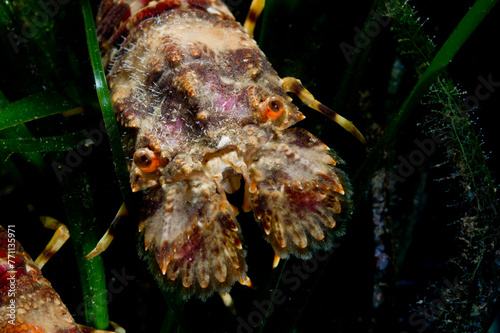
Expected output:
(201, 108)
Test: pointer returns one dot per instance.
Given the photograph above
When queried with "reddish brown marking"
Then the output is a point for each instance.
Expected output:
(189, 83)
(43, 310)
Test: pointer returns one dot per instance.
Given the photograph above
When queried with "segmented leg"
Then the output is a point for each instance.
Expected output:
(293, 85)
(253, 14)
(276, 260)
(108, 237)
(228, 302)
(246, 282)
(117, 329)
(38, 306)
(61, 235)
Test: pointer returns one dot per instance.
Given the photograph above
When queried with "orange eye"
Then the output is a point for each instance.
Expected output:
(275, 107)
(272, 108)
(146, 160)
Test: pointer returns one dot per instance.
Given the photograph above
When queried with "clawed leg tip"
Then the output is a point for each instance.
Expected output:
(246, 282)
(276, 261)
(228, 302)
(94, 253)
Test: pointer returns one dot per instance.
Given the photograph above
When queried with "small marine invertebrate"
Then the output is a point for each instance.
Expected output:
(28, 303)
(201, 108)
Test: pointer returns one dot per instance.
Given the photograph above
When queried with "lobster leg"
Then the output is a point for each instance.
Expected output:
(60, 237)
(276, 260)
(253, 15)
(42, 309)
(293, 85)
(117, 329)
(228, 302)
(108, 237)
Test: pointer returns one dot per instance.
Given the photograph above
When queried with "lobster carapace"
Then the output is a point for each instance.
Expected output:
(202, 108)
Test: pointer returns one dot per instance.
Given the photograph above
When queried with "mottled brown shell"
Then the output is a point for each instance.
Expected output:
(194, 93)
(38, 308)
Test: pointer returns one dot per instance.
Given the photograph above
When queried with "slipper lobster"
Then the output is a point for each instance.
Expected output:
(201, 108)
(28, 302)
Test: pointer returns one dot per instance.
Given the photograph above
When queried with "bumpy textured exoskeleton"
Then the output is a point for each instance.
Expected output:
(201, 109)
(28, 303)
